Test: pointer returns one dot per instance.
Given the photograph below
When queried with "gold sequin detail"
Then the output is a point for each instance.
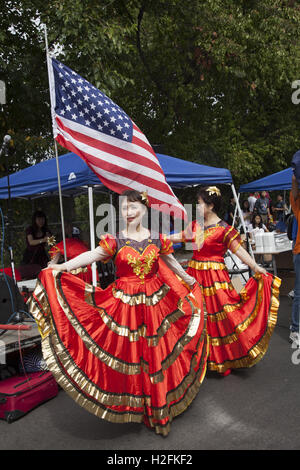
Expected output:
(142, 267)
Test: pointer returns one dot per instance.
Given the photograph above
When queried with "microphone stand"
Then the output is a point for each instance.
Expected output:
(17, 316)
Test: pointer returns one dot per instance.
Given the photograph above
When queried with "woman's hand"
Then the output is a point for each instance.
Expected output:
(259, 269)
(56, 267)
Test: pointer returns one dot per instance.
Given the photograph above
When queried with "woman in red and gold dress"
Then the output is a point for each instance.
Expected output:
(135, 351)
(239, 326)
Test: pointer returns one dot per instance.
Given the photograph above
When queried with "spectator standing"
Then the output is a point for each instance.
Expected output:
(252, 200)
(230, 211)
(262, 207)
(279, 209)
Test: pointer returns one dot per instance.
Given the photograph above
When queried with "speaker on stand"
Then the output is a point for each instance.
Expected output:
(11, 300)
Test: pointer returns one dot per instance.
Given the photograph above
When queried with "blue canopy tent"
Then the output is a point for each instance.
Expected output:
(75, 176)
(281, 180)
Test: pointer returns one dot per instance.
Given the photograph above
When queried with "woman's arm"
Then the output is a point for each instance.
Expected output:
(34, 242)
(86, 258)
(55, 260)
(176, 237)
(173, 264)
(247, 259)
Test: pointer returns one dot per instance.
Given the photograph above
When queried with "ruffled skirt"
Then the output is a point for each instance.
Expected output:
(130, 353)
(239, 326)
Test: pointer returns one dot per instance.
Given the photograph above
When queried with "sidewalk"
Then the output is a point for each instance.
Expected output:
(255, 408)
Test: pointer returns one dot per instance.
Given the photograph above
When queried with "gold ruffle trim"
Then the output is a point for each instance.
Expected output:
(256, 353)
(60, 362)
(222, 315)
(206, 265)
(118, 364)
(212, 290)
(137, 299)
(141, 298)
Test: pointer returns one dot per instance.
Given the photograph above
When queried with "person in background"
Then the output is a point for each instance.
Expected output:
(36, 239)
(279, 209)
(252, 200)
(257, 226)
(74, 247)
(230, 211)
(245, 207)
(295, 204)
(262, 207)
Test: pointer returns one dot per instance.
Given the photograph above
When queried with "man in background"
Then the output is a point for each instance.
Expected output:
(252, 200)
(262, 207)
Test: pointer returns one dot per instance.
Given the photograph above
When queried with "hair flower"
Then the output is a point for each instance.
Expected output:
(145, 199)
(213, 190)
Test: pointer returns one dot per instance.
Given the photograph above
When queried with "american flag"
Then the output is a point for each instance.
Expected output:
(88, 123)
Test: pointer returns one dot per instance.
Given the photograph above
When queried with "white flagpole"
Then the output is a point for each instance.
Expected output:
(92, 232)
(56, 152)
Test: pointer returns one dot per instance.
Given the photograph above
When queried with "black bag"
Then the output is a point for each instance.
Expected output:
(289, 223)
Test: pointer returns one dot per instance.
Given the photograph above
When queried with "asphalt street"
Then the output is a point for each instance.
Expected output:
(251, 409)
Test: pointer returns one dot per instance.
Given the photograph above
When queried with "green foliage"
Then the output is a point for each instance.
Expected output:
(211, 81)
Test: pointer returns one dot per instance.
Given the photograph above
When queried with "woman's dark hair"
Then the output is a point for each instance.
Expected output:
(260, 224)
(245, 202)
(134, 196)
(210, 197)
(35, 228)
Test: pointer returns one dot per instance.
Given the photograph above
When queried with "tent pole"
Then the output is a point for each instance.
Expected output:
(241, 216)
(56, 153)
(60, 203)
(92, 232)
(235, 211)
(113, 222)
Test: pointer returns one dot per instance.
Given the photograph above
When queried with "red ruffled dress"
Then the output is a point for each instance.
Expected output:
(239, 326)
(74, 247)
(134, 352)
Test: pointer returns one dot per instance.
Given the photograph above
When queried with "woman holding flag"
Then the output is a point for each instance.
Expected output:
(136, 351)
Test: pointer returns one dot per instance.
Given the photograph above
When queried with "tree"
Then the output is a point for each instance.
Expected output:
(210, 81)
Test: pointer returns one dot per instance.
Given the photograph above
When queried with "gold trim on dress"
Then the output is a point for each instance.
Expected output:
(212, 290)
(142, 267)
(222, 315)
(233, 337)
(121, 365)
(137, 299)
(71, 378)
(206, 265)
(227, 233)
(141, 298)
(256, 353)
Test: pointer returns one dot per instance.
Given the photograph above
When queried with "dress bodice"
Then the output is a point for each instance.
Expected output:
(133, 259)
(213, 241)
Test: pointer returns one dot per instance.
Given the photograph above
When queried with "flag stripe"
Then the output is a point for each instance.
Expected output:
(125, 146)
(90, 124)
(108, 152)
(153, 189)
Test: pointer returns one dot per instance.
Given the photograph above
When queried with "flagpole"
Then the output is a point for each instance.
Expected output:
(56, 152)
(92, 232)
